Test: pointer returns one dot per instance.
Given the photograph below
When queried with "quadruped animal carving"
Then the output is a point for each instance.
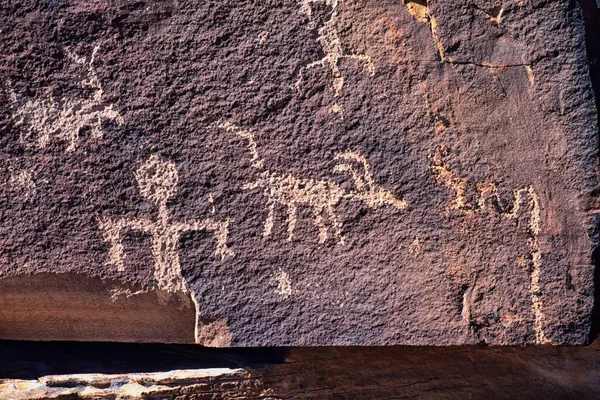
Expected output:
(48, 119)
(157, 182)
(321, 196)
(487, 194)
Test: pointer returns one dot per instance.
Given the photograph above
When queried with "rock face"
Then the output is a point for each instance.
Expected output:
(212, 383)
(479, 372)
(311, 172)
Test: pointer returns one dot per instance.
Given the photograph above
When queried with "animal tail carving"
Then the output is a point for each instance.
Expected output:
(366, 189)
(257, 162)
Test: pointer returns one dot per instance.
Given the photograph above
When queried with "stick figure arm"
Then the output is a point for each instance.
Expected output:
(141, 224)
(254, 185)
(220, 231)
(191, 226)
(117, 225)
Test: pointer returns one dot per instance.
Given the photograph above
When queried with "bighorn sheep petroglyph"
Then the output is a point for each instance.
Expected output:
(320, 195)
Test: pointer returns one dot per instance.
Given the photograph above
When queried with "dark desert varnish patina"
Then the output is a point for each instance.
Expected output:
(286, 173)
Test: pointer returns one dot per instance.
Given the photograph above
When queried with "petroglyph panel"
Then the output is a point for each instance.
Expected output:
(315, 172)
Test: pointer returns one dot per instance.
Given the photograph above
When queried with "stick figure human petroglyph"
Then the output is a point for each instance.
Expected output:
(321, 196)
(157, 182)
(488, 200)
(48, 119)
(331, 46)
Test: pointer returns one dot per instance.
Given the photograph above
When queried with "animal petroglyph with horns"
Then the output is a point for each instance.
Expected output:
(321, 196)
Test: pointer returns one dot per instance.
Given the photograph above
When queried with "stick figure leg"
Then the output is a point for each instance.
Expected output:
(318, 214)
(270, 218)
(291, 220)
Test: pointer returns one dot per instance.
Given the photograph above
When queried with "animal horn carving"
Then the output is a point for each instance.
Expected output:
(366, 189)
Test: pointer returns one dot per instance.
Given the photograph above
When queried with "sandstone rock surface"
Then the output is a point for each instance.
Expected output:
(284, 173)
(549, 372)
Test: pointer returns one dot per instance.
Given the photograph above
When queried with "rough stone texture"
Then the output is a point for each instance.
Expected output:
(214, 383)
(306, 373)
(310, 173)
